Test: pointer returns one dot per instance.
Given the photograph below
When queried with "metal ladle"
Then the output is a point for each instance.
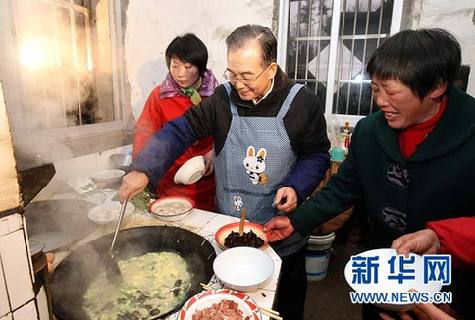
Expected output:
(112, 266)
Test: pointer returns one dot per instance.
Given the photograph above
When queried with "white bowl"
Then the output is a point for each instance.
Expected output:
(243, 268)
(108, 212)
(191, 171)
(108, 178)
(171, 208)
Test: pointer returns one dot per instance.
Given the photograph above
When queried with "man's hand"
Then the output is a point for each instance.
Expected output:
(285, 199)
(278, 228)
(132, 183)
(422, 242)
(208, 163)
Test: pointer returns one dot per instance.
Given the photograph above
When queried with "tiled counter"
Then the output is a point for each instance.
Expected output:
(206, 224)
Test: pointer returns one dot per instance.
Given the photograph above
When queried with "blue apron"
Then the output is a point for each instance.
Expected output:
(256, 157)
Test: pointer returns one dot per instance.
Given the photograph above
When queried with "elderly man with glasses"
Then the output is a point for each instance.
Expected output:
(270, 144)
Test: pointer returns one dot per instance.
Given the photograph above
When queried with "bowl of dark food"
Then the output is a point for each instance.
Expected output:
(220, 304)
(243, 268)
(253, 236)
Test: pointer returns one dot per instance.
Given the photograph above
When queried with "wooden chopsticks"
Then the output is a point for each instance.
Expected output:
(205, 286)
(273, 314)
(241, 223)
(268, 312)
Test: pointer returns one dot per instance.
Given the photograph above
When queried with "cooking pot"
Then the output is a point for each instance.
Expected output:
(75, 273)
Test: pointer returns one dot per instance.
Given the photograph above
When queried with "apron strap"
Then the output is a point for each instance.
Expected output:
(234, 111)
(227, 86)
(288, 101)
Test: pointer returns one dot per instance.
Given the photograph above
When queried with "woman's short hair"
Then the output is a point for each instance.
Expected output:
(420, 59)
(266, 39)
(188, 48)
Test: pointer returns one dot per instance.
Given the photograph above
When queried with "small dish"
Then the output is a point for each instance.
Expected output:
(207, 299)
(191, 171)
(223, 232)
(243, 268)
(171, 208)
(108, 178)
(82, 185)
(108, 212)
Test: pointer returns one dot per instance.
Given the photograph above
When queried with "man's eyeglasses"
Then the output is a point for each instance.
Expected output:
(246, 80)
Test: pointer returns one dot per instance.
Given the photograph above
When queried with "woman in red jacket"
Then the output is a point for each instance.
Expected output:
(186, 84)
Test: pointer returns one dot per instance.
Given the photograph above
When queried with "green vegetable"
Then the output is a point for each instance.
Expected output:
(141, 200)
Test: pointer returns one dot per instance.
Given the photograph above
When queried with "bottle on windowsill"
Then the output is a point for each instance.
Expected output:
(346, 137)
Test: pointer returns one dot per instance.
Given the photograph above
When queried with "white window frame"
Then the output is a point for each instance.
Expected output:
(284, 13)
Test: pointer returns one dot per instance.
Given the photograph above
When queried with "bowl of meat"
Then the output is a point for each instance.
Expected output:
(220, 304)
(253, 236)
(243, 268)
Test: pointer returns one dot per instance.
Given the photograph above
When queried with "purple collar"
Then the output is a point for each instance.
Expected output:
(169, 88)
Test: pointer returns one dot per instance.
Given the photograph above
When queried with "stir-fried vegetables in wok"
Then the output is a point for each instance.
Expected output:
(153, 284)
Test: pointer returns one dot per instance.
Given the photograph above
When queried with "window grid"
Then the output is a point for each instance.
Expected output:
(362, 26)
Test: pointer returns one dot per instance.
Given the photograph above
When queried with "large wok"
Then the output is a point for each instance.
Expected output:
(73, 275)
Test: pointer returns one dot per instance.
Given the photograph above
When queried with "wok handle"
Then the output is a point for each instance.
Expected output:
(119, 222)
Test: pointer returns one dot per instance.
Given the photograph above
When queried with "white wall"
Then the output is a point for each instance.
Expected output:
(152, 24)
(458, 18)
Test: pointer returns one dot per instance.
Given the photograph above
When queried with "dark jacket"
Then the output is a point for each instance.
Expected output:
(435, 182)
(304, 122)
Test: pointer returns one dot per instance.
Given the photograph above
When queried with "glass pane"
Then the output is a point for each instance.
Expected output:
(366, 17)
(81, 3)
(293, 13)
(57, 45)
(302, 60)
(380, 17)
(291, 56)
(321, 16)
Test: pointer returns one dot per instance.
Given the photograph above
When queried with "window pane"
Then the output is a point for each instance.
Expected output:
(321, 16)
(364, 25)
(66, 60)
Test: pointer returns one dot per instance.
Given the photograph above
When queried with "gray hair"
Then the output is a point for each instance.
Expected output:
(241, 35)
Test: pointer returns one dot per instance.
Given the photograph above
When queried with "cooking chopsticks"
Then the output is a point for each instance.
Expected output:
(270, 315)
(205, 286)
(241, 223)
(268, 312)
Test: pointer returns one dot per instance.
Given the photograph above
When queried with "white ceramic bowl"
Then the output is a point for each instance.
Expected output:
(171, 208)
(191, 171)
(121, 161)
(243, 268)
(108, 178)
(108, 212)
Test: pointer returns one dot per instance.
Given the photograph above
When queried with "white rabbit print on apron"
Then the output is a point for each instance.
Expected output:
(256, 165)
